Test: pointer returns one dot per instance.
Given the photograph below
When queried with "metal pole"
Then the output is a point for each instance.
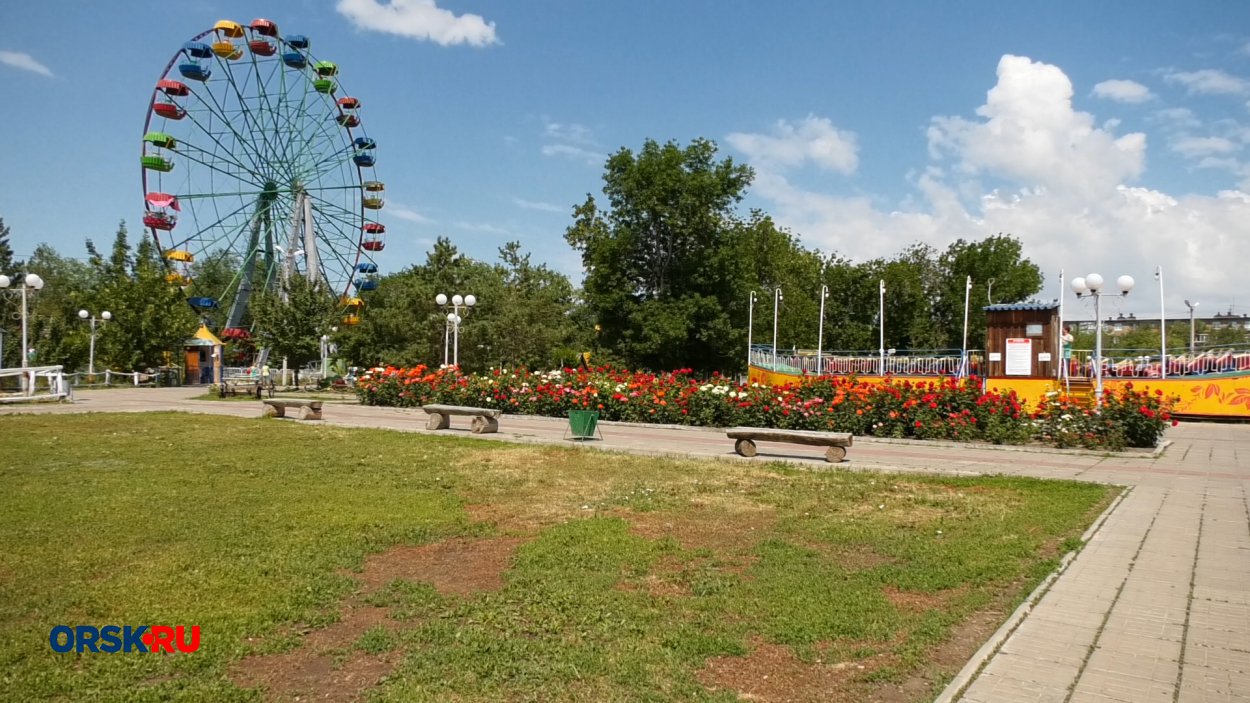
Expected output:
(446, 339)
(750, 324)
(1098, 348)
(776, 306)
(820, 334)
(1163, 334)
(1065, 364)
(455, 336)
(1193, 349)
(25, 356)
(963, 356)
(881, 326)
(91, 355)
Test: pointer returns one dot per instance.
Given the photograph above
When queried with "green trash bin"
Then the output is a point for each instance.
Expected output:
(583, 423)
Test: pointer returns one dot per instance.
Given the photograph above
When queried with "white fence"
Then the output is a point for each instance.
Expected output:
(33, 383)
(804, 362)
(1137, 363)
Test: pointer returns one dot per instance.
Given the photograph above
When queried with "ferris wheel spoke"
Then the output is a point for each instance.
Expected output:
(207, 130)
(220, 111)
(249, 117)
(230, 174)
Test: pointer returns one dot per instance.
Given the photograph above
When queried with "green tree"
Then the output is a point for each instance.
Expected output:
(997, 267)
(8, 331)
(151, 319)
(289, 321)
(652, 281)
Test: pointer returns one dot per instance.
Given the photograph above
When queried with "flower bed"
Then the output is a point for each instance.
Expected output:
(941, 409)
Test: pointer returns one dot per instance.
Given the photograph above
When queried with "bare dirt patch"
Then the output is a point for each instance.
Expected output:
(705, 525)
(452, 567)
(301, 675)
(772, 674)
(325, 668)
(918, 601)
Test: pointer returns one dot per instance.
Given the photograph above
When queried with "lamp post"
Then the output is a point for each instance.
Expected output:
(820, 331)
(325, 353)
(1163, 332)
(30, 281)
(881, 329)
(750, 327)
(1192, 306)
(104, 317)
(1091, 286)
(453, 323)
(777, 298)
(963, 355)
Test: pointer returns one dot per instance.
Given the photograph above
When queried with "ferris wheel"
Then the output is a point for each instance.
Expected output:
(256, 167)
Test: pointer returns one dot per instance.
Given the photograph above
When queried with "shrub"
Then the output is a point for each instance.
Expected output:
(946, 408)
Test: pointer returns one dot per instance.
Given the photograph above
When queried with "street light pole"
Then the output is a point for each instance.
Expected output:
(963, 356)
(30, 281)
(881, 330)
(104, 317)
(820, 333)
(1163, 333)
(777, 298)
(1192, 306)
(750, 327)
(1091, 285)
(453, 323)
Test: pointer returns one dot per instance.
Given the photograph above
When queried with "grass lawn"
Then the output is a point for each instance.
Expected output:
(339, 564)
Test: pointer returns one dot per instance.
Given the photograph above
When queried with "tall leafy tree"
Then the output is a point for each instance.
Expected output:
(151, 319)
(289, 321)
(7, 328)
(998, 268)
(650, 258)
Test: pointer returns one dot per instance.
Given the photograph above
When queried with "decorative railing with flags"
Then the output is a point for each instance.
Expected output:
(801, 362)
(1146, 363)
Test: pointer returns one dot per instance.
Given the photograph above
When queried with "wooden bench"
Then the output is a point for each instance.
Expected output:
(308, 409)
(484, 419)
(837, 442)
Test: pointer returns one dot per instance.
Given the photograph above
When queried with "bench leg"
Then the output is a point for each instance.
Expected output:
(307, 413)
(745, 447)
(438, 421)
(273, 411)
(834, 455)
(484, 425)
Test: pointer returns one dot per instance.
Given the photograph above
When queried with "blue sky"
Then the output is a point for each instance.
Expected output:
(1108, 136)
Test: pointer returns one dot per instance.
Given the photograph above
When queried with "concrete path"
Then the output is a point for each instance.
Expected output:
(1155, 608)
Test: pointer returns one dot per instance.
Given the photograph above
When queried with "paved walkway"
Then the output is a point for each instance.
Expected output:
(1156, 607)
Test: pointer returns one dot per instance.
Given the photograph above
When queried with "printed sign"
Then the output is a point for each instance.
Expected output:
(1019, 356)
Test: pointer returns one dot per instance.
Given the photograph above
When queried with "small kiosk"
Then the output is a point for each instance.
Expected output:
(1022, 345)
(203, 355)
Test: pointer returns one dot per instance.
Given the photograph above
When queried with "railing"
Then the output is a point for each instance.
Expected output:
(1142, 363)
(105, 378)
(869, 363)
(33, 383)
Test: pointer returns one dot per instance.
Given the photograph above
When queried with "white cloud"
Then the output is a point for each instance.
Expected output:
(1209, 81)
(419, 19)
(570, 140)
(1122, 91)
(569, 151)
(568, 132)
(404, 212)
(1194, 147)
(26, 62)
(1180, 117)
(813, 139)
(1031, 134)
(1066, 192)
(482, 227)
(540, 206)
